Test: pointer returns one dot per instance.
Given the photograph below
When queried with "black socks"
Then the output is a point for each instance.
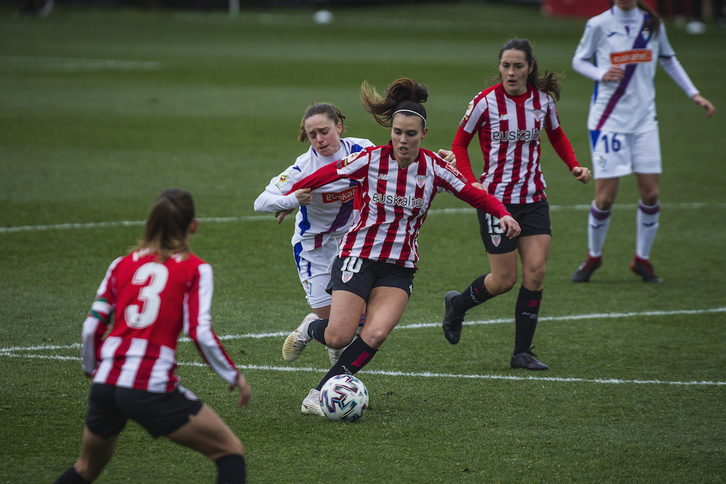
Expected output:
(354, 357)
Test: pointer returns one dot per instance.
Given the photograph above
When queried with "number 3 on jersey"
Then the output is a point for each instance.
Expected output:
(152, 277)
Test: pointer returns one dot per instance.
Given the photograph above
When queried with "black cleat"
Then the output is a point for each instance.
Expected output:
(583, 273)
(644, 269)
(527, 360)
(452, 320)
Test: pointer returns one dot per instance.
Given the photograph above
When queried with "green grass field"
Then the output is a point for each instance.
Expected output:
(100, 110)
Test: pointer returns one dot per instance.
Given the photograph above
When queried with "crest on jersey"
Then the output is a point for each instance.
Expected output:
(349, 159)
(496, 240)
(469, 109)
(420, 180)
(538, 113)
(645, 34)
(347, 276)
(281, 181)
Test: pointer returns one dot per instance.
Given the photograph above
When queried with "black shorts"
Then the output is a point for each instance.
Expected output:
(533, 218)
(360, 276)
(110, 407)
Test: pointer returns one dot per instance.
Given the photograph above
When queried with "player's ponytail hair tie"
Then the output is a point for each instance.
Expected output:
(403, 95)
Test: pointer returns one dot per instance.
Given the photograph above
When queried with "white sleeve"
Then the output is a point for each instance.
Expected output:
(678, 74)
(588, 69)
(269, 201)
(274, 198)
(585, 51)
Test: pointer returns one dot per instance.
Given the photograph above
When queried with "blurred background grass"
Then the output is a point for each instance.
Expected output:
(100, 109)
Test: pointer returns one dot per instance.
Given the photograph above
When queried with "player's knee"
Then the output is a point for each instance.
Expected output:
(337, 340)
(501, 284)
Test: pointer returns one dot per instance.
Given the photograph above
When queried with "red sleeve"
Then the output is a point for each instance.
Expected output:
(562, 146)
(478, 198)
(323, 176)
(460, 147)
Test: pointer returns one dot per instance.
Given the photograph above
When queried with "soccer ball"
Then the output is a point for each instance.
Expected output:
(323, 17)
(344, 398)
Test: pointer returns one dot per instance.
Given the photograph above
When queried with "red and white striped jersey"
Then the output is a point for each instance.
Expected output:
(152, 303)
(509, 129)
(393, 202)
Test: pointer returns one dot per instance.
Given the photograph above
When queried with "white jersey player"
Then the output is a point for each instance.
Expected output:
(324, 215)
(619, 51)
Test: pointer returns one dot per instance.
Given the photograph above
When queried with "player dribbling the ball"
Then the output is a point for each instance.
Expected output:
(375, 267)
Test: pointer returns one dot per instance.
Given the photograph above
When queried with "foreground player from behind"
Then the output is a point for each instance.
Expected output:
(396, 184)
(509, 118)
(626, 42)
(155, 293)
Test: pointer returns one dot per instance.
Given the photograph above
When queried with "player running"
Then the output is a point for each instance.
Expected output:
(509, 118)
(324, 215)
(396, 184)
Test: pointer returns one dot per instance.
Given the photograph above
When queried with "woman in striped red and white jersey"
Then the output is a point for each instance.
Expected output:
(509, 118)
(396, 184)
(154, 294)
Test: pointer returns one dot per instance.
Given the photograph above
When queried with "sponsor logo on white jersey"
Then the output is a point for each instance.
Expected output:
(343, 196)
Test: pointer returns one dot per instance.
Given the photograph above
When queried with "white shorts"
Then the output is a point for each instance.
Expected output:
(619, 154)
(314, 270)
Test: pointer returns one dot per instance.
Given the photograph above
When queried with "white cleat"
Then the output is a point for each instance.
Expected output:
(311, 404)
(334, 355)
(296, 341)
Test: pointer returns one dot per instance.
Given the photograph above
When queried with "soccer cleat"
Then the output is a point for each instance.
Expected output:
(644, 269)
(583, 273)
(334, 355)
(296, 341)
(527, 360)
(452, 320)
(311, 404)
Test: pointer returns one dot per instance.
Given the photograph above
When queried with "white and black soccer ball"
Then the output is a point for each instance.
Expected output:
(344, 398)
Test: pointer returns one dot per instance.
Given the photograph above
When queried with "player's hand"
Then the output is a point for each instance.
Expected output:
(614, 74)
(510, 225)
(304, 196)
(479, 186)
(280, 216)
(448, 156)
(705, 103)
(582, 174)
(245, 392)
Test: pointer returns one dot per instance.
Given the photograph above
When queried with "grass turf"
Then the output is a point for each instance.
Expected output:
(101, 109)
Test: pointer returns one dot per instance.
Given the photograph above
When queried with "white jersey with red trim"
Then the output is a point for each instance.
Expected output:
(331, 211)
(616, 37)
(152, 303)
(393, 201)
(509, 129)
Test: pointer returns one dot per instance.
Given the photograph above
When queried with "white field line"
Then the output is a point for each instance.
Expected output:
(27, 352)
(68, 64)
(254, 218)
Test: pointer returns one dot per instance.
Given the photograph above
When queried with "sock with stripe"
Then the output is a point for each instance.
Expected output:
(356, 356)
(646, 229)
(473, 295)
(526, 314)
